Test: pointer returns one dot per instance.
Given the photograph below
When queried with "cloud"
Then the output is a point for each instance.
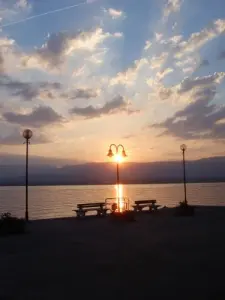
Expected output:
(130, 75)
(157, 62)
(198, 39)
(6, 47)
(200, 118)
(15, 138)
(160, 75)
(28, 90)
(62, 45)
(38, 117)
(158, 36)
(148, 45)
(188, 64)
(221, 55)
(22, 4)
(91, 1)
(10, 9)
(115, 14)
(117, 105)
(172, 6)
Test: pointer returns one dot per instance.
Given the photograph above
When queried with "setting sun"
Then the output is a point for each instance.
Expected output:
(118, 158)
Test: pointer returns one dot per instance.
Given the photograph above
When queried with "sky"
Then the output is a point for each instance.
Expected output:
(81, 75)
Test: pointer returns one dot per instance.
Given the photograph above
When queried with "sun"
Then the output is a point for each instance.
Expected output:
(118, 158)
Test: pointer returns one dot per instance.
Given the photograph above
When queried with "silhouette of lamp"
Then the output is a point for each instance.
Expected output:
(27, 134)
(183, 148)
(119, 153)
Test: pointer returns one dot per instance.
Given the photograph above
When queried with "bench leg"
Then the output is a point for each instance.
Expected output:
(104, 213)
(80, 214)
(99, 213)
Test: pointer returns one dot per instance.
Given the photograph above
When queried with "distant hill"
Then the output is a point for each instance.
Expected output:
(51, 173)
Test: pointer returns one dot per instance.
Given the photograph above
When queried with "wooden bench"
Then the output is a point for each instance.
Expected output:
(140, 204)
(99, 207)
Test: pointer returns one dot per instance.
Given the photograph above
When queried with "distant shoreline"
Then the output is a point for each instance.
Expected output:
(113, 183)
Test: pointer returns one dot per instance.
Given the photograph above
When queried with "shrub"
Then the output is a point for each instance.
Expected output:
(11, 225)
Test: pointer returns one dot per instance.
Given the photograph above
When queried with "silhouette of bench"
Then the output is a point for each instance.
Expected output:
(141, 204)
(99, 207)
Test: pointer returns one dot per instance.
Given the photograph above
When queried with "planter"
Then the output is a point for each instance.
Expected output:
(11, 225)
(184, 210)
(128, 216)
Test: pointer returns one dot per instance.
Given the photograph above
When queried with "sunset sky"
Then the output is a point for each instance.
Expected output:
(145, 73)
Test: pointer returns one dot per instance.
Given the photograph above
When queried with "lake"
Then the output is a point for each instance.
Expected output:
(58, 201)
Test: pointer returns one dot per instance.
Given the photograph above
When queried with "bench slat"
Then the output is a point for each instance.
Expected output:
(90, 209)
(146, 205)
(84, 205)
(145, 202)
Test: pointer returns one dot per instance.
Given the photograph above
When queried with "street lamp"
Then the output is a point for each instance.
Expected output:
(183, 148)
(27, 134)
(119, 155)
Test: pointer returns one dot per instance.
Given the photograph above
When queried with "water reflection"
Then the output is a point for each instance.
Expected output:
(120, 198)
(59, 201)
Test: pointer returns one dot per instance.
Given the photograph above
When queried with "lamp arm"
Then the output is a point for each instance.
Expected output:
(113, 145)
(120, 146)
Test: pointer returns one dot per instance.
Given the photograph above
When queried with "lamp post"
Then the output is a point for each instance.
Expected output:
(118, 157)
(183, 149)
(27, 134)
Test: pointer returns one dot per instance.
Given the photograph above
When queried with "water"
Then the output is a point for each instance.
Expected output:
(58, 201)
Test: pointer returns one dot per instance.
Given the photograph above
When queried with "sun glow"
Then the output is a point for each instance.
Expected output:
(118, 158)
(119, 196)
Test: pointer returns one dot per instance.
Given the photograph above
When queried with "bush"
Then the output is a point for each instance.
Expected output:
(11, 225)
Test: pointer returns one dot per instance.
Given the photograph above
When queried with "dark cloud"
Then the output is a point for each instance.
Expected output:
(221, 55)
(52, 51)
(80, 93)
(129, 136)
(28, 90)
(84, 93)
(164, 93)
(39, 117)
(1, 63)
(200, 119)
(204, 63)
(190, 83)
(15, 138)
(118, 104)
(60, 45)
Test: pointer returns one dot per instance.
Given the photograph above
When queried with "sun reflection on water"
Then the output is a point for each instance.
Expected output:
(120, 197)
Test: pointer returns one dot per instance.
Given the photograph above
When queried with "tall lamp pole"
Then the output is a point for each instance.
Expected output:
(183, 149)
(118, 157)
(27, 134)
